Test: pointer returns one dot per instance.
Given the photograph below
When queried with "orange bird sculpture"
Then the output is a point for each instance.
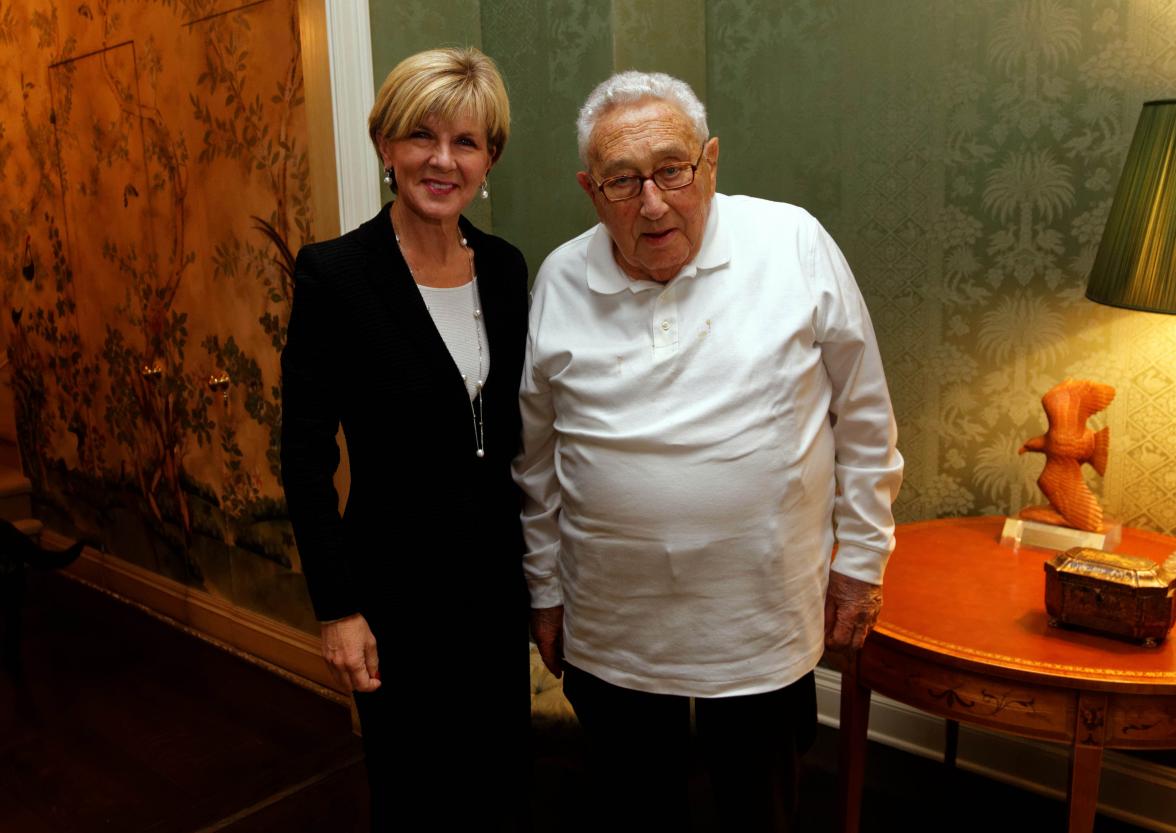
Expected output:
(1067, 445)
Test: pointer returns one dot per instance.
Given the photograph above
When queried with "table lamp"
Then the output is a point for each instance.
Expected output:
(1135, 267)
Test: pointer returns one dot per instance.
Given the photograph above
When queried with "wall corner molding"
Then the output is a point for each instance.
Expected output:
(352, 96)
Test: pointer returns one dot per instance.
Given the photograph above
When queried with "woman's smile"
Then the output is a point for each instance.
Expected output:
(440, 188)
(439, 165)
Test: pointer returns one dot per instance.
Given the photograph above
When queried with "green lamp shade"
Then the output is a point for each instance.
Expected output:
(1136, 262)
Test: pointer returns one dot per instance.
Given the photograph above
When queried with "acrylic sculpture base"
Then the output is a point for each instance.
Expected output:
(1019, 532)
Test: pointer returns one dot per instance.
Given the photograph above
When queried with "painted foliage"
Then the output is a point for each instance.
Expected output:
(155, 176)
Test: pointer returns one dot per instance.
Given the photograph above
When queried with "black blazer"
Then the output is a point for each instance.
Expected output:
(427, 522)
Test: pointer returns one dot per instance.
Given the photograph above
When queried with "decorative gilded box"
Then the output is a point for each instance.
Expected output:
(1123, 595)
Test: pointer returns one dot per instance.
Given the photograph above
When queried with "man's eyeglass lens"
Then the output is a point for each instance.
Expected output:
(668, 178)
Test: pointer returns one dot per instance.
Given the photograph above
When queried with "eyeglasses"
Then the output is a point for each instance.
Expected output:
(669, 177)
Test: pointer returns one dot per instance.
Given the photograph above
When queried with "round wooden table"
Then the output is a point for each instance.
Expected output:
(963, 634)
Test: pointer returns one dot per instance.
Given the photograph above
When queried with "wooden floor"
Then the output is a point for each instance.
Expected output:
(122, 723)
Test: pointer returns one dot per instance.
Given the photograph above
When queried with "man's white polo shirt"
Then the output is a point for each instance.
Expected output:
(689, 447)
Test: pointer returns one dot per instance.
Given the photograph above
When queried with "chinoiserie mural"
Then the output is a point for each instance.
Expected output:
(155, 179)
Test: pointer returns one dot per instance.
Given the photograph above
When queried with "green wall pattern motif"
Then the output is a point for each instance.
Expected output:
(964, 155)
(551, 53)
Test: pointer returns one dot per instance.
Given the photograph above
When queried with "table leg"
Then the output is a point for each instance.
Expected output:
(1086, 762)
(951, 741)
(851, 748)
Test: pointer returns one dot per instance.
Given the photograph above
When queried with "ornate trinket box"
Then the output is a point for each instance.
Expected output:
(1122, 595)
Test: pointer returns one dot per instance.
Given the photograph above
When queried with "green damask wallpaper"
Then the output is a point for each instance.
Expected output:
(966, 160)
(964, 155)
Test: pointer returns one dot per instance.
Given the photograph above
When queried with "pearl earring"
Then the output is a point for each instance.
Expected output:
(388, 177)
(485, 189)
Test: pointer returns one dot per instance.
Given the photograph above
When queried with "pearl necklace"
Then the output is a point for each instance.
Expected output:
(476, 413)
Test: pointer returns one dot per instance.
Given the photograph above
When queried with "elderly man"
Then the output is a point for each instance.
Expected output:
(705, 415)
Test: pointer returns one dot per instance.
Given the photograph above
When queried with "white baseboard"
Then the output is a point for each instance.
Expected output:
(1131, 790)
(288, 652)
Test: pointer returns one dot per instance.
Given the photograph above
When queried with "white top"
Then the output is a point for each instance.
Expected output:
(453, 311)
(686, 446)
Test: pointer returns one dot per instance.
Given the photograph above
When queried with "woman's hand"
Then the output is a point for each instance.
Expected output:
(350, 651)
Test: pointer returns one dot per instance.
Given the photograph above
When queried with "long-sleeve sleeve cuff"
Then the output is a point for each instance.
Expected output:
(860, 563)
(545, 591)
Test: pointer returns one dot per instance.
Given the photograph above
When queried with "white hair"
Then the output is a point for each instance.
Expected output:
(632, 86)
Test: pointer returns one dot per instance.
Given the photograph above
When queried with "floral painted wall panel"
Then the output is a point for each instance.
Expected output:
(156, 174)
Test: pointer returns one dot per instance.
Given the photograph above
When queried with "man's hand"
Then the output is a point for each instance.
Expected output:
(547, 631)
(851, 609)
(350, 651)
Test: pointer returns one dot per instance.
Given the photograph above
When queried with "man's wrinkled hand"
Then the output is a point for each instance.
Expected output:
(350, 651)
(851, 609)
(547, 631)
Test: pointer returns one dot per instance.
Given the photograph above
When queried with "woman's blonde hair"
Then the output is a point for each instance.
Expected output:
(448, 83)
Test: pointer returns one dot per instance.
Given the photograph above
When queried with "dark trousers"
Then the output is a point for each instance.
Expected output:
(640, 754)
(451, 757)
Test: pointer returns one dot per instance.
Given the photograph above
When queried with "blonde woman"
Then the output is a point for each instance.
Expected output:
(410, 333)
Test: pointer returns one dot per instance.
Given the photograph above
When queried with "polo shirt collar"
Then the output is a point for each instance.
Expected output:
(607, 278)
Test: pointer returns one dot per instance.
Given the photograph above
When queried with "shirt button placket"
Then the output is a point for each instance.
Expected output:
(665, 321)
